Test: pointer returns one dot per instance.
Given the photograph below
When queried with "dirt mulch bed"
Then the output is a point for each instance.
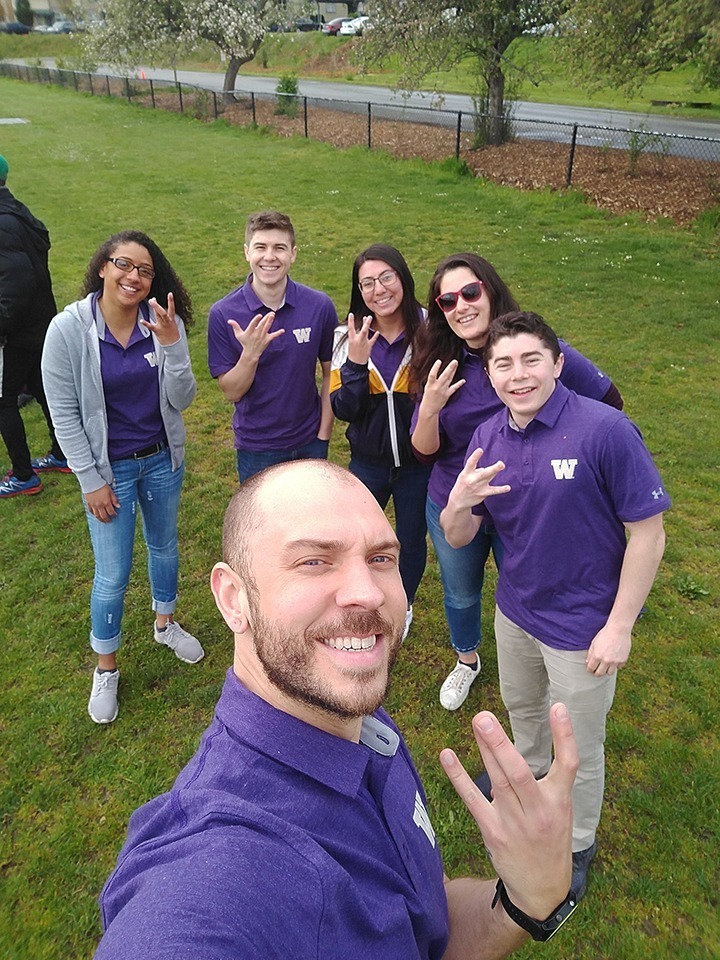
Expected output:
(660, 186)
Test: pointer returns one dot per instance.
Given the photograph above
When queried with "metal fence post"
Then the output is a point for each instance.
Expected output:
(369, 140)
(305, 115)
(75, 81)
(179, 90)
(252, 101)
(457, 135)
(568, 175)
(92, 92)
(152, 92)
(107, 85)
(127, 89)
(215, 104)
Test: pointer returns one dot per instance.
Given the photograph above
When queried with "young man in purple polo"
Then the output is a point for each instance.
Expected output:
(580, 517)
(300, 828)
(265, 340)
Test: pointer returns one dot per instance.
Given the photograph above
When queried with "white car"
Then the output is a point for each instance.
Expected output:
(354, 28)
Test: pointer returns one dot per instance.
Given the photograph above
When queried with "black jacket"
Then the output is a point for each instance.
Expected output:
(379, 414)
(27, 304)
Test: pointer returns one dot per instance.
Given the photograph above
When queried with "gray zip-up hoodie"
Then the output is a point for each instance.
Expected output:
(73, 386)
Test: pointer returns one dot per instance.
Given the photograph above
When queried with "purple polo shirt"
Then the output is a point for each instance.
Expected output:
(281, 840)
(476, 401)
(387, 357)
(281, 410)
(132, 389)
(577, 471)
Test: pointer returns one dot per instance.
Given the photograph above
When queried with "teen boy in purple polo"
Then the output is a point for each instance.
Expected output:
(265, 340)
(300, 827)
(579, 514)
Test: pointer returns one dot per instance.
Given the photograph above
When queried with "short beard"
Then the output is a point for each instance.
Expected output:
(288, 661)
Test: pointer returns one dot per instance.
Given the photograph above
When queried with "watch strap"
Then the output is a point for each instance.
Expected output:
(538, 929)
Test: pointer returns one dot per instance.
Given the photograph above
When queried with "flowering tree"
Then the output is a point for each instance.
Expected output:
(236, 27)
(160, 32)
(432, 35)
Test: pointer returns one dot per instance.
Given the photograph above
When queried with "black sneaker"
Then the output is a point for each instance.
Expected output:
(581, 864)
(482, 782)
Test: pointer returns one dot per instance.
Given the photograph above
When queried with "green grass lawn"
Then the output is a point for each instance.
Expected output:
(641, 300)
(534, 71)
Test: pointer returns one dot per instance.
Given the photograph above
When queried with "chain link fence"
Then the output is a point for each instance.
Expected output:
(664, 174)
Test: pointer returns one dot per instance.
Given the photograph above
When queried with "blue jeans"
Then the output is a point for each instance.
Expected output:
(250, 462)
(462, 571)
(153, 485)
(408, 487)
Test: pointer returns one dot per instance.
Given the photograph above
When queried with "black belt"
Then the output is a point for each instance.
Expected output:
(145, 452)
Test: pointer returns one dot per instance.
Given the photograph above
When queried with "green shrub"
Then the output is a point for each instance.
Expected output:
(287, 90)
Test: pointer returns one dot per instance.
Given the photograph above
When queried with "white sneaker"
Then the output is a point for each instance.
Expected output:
(408, 621)
(184, 644)
(103, 705)
(454, 691)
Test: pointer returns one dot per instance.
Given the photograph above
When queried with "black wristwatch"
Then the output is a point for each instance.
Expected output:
(538, 929)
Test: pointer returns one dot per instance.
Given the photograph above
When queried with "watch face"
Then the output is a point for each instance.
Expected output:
(561, 913)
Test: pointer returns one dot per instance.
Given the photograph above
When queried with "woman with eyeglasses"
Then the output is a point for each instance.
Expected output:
(116, 369)
(466, 293)
(369, 388)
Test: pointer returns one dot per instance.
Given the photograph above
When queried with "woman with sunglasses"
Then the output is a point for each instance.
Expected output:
(466, 293)
(369, 388)
(117, 373)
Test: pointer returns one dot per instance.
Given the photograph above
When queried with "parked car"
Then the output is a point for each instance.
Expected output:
(333, 26)
(354, 28)
(62, 26)
(14, 26)
(306, 24)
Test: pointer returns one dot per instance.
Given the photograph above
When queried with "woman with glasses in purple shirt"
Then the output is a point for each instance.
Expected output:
(117, 374)
(370, 388)
(466, 293)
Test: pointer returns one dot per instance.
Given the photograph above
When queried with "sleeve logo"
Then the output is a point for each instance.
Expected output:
(422, 820)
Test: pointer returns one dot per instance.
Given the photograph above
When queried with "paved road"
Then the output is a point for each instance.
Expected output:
(534, 120)
(524, 110)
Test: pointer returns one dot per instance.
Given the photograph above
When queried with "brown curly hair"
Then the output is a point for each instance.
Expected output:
(164, 282)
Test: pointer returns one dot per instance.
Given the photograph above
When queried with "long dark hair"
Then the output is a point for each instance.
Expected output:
(411, 307)
(164, 282)
(437, 341)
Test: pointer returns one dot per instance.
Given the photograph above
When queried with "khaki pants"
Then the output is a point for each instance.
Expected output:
(533, 676)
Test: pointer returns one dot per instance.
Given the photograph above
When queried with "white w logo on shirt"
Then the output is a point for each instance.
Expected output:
(303, 334)
(564, 469)
(422, 820)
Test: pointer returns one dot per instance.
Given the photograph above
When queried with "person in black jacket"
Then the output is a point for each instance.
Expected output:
(27, 306)
(370, 388)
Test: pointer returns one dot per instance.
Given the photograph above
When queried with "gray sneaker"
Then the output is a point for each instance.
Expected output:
(186, 647)
(103, 705)
(456, 687)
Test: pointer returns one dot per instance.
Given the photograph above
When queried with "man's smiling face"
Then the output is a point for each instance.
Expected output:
(523, 372)
(326, 605)
(270, 254)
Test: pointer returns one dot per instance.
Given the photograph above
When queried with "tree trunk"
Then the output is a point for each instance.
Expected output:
(496, 105)
(234, 64)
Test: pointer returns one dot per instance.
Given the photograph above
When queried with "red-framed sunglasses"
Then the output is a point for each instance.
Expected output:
(470, 293)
